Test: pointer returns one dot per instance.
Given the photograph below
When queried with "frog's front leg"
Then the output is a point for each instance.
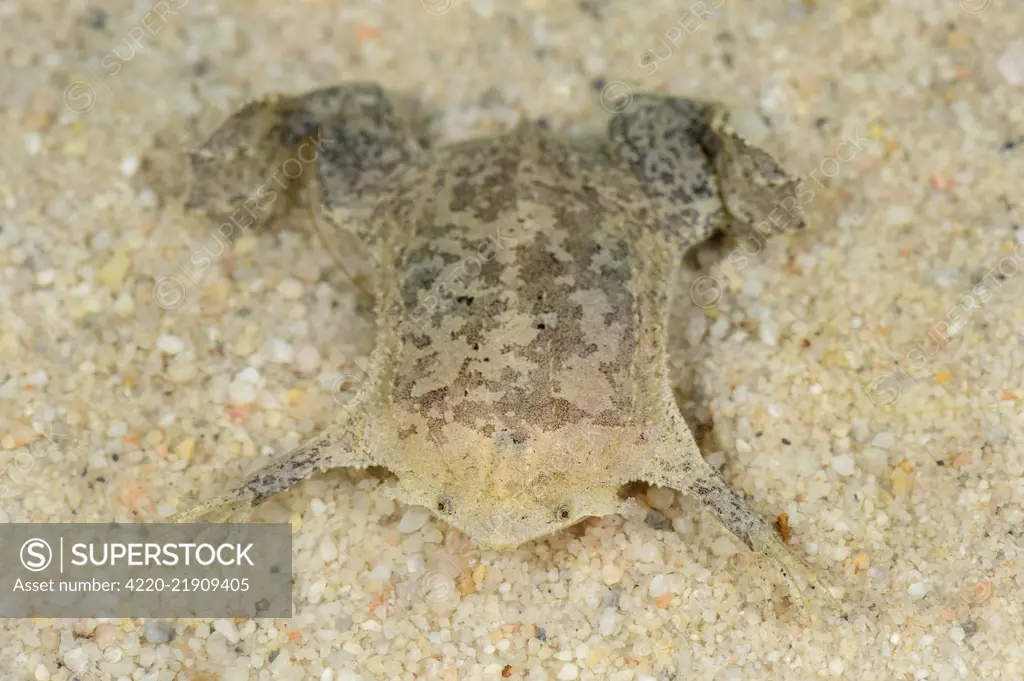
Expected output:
(354, 141)
(348, 139)
(703, 175)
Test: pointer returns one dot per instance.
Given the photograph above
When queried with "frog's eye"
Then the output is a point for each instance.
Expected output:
(444, 505)
(562, 513)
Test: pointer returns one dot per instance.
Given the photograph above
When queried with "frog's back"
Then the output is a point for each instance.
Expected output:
(516, 307)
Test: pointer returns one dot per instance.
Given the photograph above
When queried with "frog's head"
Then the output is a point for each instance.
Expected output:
(503, 498)
(505, 520)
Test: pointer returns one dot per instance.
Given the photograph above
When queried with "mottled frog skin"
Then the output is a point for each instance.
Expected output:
(523, 285)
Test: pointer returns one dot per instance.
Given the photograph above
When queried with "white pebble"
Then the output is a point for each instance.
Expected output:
(316, 590)
(723, 546)
(147, 198)
(483, 8)
(843, 464)
(169, 344)
(107, 635)
(835, 667)
(228, 629)
(883, 440)
(42, 673)
(657, 587)
(695, 329)
(660, 498)
(44, 277)
(957, 633)
(32, 142)
(649, 553)
(917, 589)
(415, 563)
(307, 359)
(129, 165)
(278, 351)
(413, 519)
(290, 289)
(611, 573)
(380, 573)
(1011, 63)
(317, 506)
(328, 549)
(248, 375)
(157, 631)
(124, 306)
(610, 622)
(899, 214)
(36, 378)
(859, 428)
(76, 659)
(747, 122)
(569, 672)
(818, 489)
(761, 30)
(720, 326)
(241, 392)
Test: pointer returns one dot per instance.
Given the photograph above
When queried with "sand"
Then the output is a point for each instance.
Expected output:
(863, 377)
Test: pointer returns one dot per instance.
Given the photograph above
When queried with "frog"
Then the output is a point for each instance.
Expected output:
(522, 286)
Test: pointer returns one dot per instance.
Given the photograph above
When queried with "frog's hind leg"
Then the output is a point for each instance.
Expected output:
(339, 446)
(683, 468)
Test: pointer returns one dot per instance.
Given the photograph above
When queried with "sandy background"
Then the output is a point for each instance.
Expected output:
(864, 378)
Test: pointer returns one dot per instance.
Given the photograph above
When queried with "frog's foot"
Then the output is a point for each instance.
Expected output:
(266, 483)
(228, 506)
(686, 470)
(338, 446)
(235, 175)
(754, 531)
(759, 194)
(702, 174)
(792, 567)
(348, 137)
